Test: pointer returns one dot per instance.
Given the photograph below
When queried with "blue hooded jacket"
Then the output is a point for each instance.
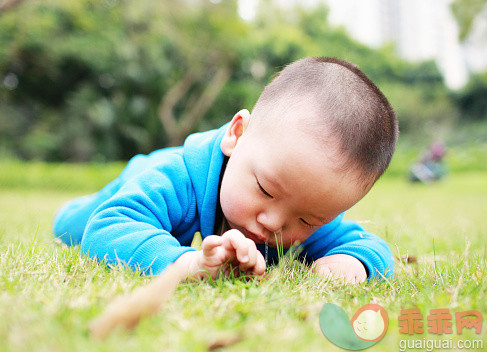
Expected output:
(148, 216)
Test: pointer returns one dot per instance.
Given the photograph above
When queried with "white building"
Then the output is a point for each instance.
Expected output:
(419, 29)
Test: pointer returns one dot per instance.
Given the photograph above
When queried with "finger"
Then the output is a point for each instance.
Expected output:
(322, 270)
(210, 244)
(238, 242)
(260, 265)
(252, 255)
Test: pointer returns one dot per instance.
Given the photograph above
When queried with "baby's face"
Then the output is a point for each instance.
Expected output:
(279, 185)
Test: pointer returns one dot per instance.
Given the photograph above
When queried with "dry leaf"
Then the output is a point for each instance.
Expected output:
(126, 311)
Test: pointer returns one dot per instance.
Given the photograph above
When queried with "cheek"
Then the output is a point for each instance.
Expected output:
(297, 233)
(236, 201)
(229, 204)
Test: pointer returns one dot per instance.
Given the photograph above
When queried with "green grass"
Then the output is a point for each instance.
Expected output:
(49, 294)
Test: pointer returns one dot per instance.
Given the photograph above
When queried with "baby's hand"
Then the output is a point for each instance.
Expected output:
(341, 267)
(232, 250)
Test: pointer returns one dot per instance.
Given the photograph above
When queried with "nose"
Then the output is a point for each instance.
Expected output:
(272, 221)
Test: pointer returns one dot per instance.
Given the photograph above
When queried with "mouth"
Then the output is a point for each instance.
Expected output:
(258, 239)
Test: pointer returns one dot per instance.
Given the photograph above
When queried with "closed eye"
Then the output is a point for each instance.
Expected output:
(307, 224)
(263, 190)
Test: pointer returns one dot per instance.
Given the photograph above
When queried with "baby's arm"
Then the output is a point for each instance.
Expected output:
(341, 267)
(231, 251)
(346, 250)
(138, 226)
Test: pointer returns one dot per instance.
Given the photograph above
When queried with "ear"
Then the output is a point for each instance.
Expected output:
(237, 128)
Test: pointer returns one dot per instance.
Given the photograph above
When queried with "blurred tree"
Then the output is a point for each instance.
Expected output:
(472, 100)
(104, 80)
(209, 44)
(113, 70)
(6, 5)
(465, 12)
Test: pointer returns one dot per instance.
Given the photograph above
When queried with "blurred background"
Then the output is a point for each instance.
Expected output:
(85, 80)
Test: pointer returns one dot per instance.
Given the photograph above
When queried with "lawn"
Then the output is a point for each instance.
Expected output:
(49, 294)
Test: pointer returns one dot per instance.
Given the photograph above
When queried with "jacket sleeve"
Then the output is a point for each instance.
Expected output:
(347, 237)
(140, 224)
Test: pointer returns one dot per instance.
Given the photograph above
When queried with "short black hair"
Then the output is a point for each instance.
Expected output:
(350, 106)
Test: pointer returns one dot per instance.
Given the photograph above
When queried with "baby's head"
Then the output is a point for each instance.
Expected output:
(318, 138)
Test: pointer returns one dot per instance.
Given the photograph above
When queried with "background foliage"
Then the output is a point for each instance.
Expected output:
(104, 80)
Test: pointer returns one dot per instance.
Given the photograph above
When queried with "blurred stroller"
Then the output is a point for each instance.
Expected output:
(431, 167)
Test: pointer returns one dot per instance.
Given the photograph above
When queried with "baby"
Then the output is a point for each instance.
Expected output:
(319, 136)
